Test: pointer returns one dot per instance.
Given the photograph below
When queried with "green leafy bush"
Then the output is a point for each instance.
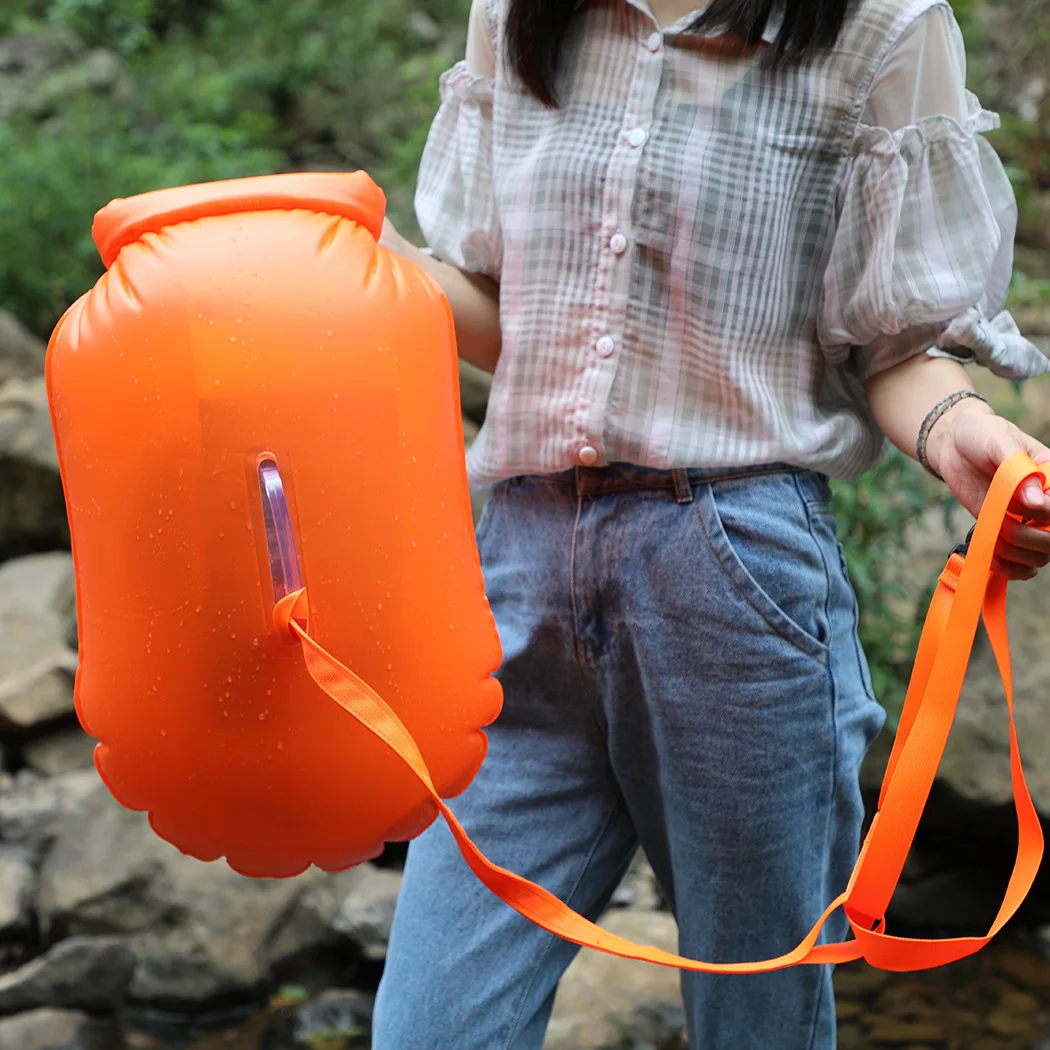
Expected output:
(212, 89)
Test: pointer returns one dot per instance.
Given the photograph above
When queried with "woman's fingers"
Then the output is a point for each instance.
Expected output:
(1021, 551)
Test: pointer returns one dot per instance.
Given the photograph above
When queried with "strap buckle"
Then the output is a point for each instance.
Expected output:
(964, 548)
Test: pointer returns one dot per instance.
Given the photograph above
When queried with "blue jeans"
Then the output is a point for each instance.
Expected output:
(681, 670)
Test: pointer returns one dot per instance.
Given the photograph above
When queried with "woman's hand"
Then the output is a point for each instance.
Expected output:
(966, 446)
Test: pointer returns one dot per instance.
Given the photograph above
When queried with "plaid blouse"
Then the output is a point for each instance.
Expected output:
(700, 262)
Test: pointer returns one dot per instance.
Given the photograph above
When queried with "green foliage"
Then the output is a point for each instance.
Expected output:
(1027, 293)
(289, 995)
(52, 184)
(872, 516)
(211, 89)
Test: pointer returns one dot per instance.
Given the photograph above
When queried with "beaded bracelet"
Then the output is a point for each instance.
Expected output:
(934, 414)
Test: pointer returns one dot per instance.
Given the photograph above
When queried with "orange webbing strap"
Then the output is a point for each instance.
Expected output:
(941, 661)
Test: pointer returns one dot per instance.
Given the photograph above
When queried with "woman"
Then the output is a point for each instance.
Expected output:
(713, 257)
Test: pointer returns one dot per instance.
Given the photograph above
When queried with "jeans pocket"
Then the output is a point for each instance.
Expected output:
(761, 532)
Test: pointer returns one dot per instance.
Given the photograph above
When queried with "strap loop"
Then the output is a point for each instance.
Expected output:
(966, 589)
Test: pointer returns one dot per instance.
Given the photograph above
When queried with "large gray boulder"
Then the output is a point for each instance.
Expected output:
(17, 900)
(53, 1029)
(32, 505)
(33, 808)
(86, 973)
(21, 352)
(605, 1002)
(200, 932)
(43, 70)
(36, 662)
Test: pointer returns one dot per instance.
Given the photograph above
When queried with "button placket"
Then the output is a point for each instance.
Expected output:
(613, 279)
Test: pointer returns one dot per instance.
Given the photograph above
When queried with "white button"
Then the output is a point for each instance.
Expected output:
(654, 41)
(588, 456)
(605, 346)
(636, 136)
(618, 243)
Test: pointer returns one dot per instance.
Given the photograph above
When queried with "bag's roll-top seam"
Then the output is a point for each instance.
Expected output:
(352, 195)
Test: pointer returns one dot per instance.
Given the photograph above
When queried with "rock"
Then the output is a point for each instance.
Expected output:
(368, 911)
(1008, 63)
(420, 26)
(26, 57)
(638, 889)
(50, 1029)
(33, 808)
(87, 973)
(61, 751)
(25, 422)
(603, 1001)
(892, 1031)
(1025, 968)
(846, 1010)
(474, 387)
(41, 71)
(36, 664)
(17, 897)
(32, 504)
(200, 932)
(306, 939)
(340, 1018)
(31, 54)
(97, 71)
(21, 352)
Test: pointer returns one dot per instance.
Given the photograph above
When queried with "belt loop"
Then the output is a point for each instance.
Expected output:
(683, 491)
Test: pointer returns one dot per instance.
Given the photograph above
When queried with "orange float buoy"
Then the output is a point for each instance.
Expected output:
(259, 434)
(256, 398)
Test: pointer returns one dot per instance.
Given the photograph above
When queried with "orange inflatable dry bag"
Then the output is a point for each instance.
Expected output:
(258, 429)
(253, 399)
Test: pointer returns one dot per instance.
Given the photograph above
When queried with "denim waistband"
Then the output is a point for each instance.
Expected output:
(623, 477)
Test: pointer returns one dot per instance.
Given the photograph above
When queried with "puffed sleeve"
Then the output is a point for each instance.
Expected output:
(923, 252)
(455, 203)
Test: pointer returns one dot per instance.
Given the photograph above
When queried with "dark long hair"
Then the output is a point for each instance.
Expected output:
(536, 31)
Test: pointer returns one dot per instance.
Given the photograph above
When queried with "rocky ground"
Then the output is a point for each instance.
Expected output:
(111, 940)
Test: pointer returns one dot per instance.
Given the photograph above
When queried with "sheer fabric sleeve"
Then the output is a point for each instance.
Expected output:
(923, 254)
(455, 203)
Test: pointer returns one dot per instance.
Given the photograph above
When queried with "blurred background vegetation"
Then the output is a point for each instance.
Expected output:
(107, 98)
(153, 93)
